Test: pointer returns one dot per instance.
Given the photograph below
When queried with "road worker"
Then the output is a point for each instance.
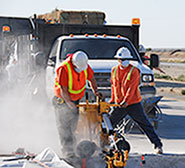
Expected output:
(146, 59)
(70, 84)
(125, 80)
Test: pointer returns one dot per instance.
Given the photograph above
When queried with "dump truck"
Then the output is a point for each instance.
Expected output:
(18, 47)
(36, 35)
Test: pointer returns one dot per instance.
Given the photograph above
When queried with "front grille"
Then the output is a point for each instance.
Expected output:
(103, 79)
(103, 83)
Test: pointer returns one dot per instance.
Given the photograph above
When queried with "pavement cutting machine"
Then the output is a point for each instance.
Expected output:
(113, 145)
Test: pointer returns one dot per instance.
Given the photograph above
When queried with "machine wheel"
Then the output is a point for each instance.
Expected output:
(86, 149)
(126, 146)
(123, 144)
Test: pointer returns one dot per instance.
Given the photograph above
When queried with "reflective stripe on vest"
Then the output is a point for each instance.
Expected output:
(70, 82)
(114, 74)
(128, 76)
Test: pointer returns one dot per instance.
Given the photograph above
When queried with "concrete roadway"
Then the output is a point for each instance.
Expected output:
(171, 129)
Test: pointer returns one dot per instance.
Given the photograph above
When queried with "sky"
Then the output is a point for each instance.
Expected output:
(162, 21)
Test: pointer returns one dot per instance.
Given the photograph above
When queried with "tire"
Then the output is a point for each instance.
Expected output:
(123, 144)
(126, 146)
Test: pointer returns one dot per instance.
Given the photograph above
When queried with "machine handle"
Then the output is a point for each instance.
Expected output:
(86, 96)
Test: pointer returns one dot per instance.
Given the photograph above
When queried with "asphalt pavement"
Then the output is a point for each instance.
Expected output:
(170, 129)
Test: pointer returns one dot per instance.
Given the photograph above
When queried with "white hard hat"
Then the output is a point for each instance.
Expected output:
(123, 53)
(142, 49)
(80, 60)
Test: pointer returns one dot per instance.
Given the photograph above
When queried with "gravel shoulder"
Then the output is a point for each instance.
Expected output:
(171, 89)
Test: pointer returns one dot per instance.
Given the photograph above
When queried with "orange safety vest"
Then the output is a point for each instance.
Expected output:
(128, 76)
(76, 91)
(126, 89)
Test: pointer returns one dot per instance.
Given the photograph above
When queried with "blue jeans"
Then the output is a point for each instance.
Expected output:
(136, 112)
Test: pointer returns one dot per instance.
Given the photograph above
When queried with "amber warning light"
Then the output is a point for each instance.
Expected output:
(6, 29)
(135, 21)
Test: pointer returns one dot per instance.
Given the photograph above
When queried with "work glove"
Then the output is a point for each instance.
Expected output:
(99, 94)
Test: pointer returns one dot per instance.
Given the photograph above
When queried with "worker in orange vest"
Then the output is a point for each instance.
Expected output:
(69, 88)
(125, 79)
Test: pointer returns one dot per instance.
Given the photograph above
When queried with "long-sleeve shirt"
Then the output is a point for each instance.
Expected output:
(125, 85)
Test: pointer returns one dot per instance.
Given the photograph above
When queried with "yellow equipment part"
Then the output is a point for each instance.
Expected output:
(118, 160)
(90, 124)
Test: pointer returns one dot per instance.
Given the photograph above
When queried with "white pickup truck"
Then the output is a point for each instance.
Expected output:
(101, 51)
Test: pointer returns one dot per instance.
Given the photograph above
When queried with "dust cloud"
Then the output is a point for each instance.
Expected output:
(27, 118)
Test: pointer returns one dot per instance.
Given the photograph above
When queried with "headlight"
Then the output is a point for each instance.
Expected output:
(147, 78)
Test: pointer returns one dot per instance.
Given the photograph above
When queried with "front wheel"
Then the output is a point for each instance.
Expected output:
(122, 144)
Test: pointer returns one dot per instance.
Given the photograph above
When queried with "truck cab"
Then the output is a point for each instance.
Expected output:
(101, 50)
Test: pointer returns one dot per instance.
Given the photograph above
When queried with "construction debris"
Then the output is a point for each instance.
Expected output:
(73, 17)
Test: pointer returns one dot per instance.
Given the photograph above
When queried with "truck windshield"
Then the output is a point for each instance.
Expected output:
(96, 48)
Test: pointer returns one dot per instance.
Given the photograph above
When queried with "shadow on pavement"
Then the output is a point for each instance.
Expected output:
(172, 127)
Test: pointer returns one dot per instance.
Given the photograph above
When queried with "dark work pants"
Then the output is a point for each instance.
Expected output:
(136, 112)
(66, 121)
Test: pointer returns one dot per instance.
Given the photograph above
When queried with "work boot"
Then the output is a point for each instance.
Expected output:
(159, 150)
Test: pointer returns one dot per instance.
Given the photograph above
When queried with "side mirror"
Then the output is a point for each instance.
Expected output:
(52, 61)
(154, 60)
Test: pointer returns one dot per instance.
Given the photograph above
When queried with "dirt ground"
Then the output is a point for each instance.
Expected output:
(170, 89)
